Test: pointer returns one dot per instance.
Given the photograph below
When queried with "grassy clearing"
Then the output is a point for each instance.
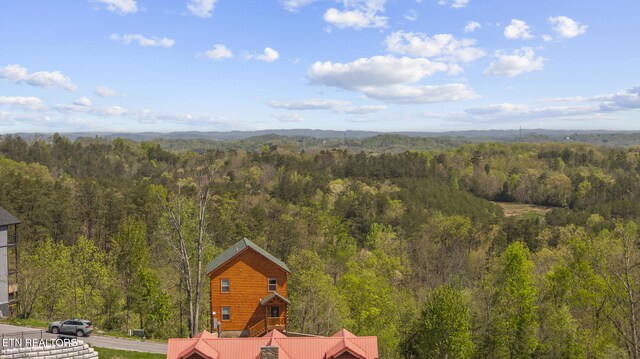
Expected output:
(520, 209)
(125, 354)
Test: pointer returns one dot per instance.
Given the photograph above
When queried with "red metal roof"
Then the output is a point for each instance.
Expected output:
(206, 344)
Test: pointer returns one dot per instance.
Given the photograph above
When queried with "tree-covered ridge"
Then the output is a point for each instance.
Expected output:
(405, 246)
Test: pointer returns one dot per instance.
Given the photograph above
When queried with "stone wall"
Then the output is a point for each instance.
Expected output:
(77, 349)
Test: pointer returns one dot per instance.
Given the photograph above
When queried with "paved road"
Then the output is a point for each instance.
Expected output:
(11, 331)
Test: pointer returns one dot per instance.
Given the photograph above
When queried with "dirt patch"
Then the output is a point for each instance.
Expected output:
(518, 209)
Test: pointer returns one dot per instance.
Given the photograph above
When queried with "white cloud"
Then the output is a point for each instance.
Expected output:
(422, 94)
(337, 106)
(360, 110)
(389, 78)
(502, 108)
(143, 115)
(456, 4)
(444, 47)
(518, 29)
(356, 19)
(19, 74)
(11, 118)
(310, 104)
(83, 101)
(411, 15)
(621, 101)
(120, 6)
(142, 40)
(106, 92)
(219, 52)
(472, 26)
(516, 63)
(294, 5)
(201, 8)
(567, 28)
(269, 55)
(109, 111)
(24, 102)
(357, 14)
(288, 117)
(374, 71)
(149, 116)
(547, 38)
(624, 100)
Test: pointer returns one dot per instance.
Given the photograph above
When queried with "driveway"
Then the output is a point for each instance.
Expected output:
(8, 332)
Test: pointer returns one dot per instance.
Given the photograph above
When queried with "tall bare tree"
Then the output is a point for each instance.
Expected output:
(186, 212)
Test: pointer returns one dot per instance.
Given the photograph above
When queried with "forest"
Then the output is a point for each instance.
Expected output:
(406, 245)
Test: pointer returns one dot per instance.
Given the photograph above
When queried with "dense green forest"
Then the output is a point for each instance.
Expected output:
(406, 245)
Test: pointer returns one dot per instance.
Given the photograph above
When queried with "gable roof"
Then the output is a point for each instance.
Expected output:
(7, 218)
(199, 345)
(273, 295)
(288, 347)
(236, 249)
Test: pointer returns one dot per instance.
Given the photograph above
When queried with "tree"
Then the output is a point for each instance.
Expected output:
(47, 295)
(131, 257)
(443, 329)
(186, 212)
(620, 270)
(441, 252)
(316, 305)
(513, 322)
(376, 306)
(92, 277)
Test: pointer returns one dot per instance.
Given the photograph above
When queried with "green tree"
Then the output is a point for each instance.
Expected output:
(45, 295)
(375, 300)
(316, 305)
(131, 257)
(91, 278)
(443, 329)
(513, 323)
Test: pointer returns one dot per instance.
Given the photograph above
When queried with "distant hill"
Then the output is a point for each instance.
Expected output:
(329, 134)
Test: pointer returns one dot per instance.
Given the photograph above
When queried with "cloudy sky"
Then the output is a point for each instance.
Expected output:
(387, 65)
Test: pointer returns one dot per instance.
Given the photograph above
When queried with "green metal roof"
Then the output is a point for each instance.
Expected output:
(7, 218)
(273, 295)
(237, 248)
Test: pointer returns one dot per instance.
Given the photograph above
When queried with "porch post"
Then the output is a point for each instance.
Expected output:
(266, 319)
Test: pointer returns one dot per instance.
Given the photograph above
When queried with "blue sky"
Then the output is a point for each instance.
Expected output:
(429, 65)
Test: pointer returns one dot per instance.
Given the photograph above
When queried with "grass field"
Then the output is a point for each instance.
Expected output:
(105, 353)
(30, 322)
(519, 209)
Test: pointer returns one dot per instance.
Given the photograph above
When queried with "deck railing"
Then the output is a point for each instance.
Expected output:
(272, 323)
(256, 329)
(275, 322)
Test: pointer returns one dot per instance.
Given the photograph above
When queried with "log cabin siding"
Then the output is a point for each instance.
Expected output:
(248, 273)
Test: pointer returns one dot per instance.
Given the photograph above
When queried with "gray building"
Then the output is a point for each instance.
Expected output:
(8, 259)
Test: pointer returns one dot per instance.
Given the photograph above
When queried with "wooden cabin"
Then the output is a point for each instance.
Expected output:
(8, 261)
(248, 291)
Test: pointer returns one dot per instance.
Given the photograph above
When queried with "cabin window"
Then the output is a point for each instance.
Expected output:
(226, 313)
(272, 284)
(225, 285)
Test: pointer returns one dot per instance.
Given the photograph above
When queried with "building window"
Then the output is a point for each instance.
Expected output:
(226, 313)
(272, 284)
(224, 286)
